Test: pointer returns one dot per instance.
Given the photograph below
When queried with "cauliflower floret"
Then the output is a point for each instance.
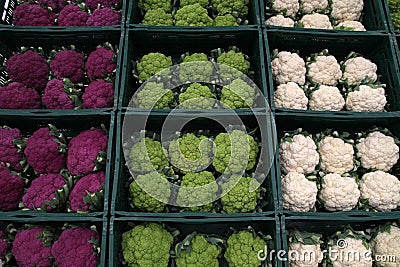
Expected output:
(350, 258)
(324, 69)
(366, 99)
(343, 10)
(350, 25)
(387, 243)
(290, 95)
(377, 151)
(298, 155)
(309, 6)
(336, 155)
(327, 98)
(339, 193)
(280, 20)
(298, 193)
(316, 21)
(359, 70)
(381, 189)
(289, 67)
(286, 7)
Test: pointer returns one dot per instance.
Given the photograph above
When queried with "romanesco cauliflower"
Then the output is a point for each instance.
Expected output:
(193, 15)
(233, 59)
(147, 5)
(197, 96)
(203, 3)
(224, 7)
(225, 20)
(158, 17)
(153, 95)
(151, 64)
(237, 95)
(147, 155)
(195, 67)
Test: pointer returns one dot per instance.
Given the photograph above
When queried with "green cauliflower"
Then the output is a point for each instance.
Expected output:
(235, 152)
(202, 254)
(190, 153)
(148, 5)
(195, 194)
(150, 183)
(147, 155)
(197, 96)
(238, 94)
(158, 17)
(236, 64)
(151, 64)
(225, 20)
(203, 3)
(238, 198)
(224, 6)
(147, 245)
(193, 15)
(242, 249)
(195, 67)
(153, 95)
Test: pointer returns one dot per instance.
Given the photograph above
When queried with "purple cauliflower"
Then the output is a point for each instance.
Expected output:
(28, 68)
(72, 15)
(104, 17)
(33, 15)
(45, 150)
(87, 152)
(16, 96)
(10, 150)
(11, 189)
(47, 192)
(101, 62)
(68, 64)
(4, 245)
(93, 4)
(32, 247)
(60, 94)
(55, 5)
(99, 94)
(74, 247)
(87, 193)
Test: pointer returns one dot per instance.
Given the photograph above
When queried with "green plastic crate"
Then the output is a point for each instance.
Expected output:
(120, 205)
(69, 126)
(268, 226)
(7, 8)
(139, 42)
(314, 124)
(83, 40)
(386, 8)
(373, 18)
(376, 47)
(327, 226)
(100, 223)
(135, 17)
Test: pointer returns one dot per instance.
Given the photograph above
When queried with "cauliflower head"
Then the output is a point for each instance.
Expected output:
(326, 98)
(350, 25)
(225, 20)
(104, 17)
(151, 64)
(202, 253)
(350, 258)
(11, 189)
(386, 242)
(68, 64)
(158, 17)
(147, 5)
(28, 14)
(60, 94)
(290, 95)
(339, 193)
(310, 6)
(287, 8)
(139, 248)
(298, 193)
(72, 15)
(98, 94)
(233, 64)
(337, 156)
(315, 21)
(153, 95)
(343, 10)
(366, 98)
(197, 96)
(323, 69)
(224, 7)
(359, 70)
(195, 67)
(203, 3)
(16, 96)
(280, 20)
(193, 15)
(307, 246)
(289, 67)
(10, 148)
(237, 95)
(101, 62)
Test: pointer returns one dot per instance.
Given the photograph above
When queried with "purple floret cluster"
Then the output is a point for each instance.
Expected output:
(100, 63)
(99, 94)
(63, 13)
(68, 64)
(56, 96)
(89, 184)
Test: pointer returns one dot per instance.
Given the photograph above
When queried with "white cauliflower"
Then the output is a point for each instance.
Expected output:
(366, 99)
(289, 67)
(298, 193)
(358, 70)
(298, 155)
(387, 242)
(351, 254)
(306, 247)
(286, 7)
(326, 98)
(381, 189)
(316, 21)
(351, 25)
(343, 10)
(336, 155)
(323, 69)
(290, 95)
(339, 193)
(309, 6)
(280, 20)
(377, 151)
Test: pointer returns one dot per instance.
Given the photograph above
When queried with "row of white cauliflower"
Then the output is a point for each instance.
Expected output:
(355, 248)
(356, 75)
(344, 14)
(334, 158)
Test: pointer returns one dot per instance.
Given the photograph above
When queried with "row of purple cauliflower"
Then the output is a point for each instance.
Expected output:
(45, 246)
(67, 13)
(44, 172)
(55, 82)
